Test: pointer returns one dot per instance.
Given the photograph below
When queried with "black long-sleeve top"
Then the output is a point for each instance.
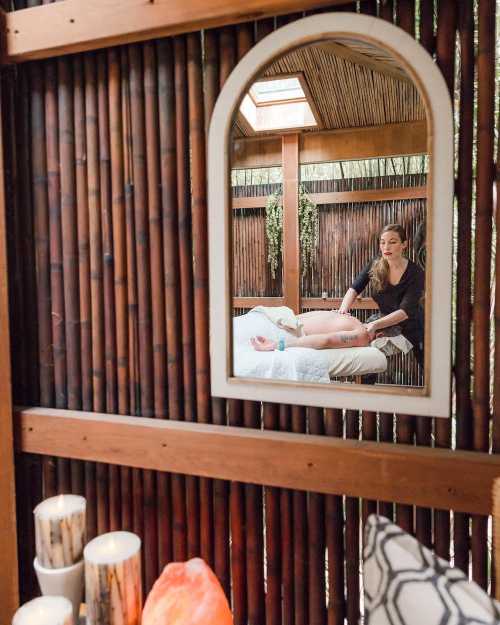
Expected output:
(405, 295)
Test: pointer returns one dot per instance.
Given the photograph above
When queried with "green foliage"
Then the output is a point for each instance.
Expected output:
(274, 231)
(308, 230)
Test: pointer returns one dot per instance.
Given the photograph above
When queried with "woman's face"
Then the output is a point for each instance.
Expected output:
(391, 246)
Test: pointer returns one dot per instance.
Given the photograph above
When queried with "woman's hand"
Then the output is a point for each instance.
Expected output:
(261, 344)
(372, 329)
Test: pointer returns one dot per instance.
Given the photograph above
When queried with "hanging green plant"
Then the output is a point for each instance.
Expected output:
(308, 230)
(274, 231)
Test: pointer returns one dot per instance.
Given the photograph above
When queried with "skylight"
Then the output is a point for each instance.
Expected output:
(267, 91)
(280, 104)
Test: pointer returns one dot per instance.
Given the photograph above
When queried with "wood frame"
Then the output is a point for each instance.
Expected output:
(434, 399)
(334, 145)
(9, 588)
(77, 26)
(431, 478)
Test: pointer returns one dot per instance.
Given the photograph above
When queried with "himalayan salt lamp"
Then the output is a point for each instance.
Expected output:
(187, 593)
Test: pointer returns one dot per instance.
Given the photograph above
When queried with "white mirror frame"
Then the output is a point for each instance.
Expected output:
(434, 399)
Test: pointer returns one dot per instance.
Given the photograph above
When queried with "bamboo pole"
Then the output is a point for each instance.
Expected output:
(445, 46)
(316, 538)
(286, 509)
(464, 309)
(39, 186)
(300, 539)
(139, 162)
(352, 535)
(482, 264)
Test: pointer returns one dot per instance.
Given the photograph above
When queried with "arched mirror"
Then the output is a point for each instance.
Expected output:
(330, 209)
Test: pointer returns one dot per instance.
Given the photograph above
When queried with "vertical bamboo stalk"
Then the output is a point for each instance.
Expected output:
(445, 48)
(42, 254)
(186, 277)
(83, 233)
(99, 519)
(108, 271)
(119, 228)
(334, 519)
(316, 538)
(464, 310)
(286, 509)
(300, 556)
(482, 265)
(119, 218)
(220, 487)
(144, 296)
(369, 428)
(352, 534)
(273, 534)
(168, 155)
(56, 262)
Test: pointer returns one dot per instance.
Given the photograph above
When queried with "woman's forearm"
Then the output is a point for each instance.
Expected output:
(348, 301)
(391, 320)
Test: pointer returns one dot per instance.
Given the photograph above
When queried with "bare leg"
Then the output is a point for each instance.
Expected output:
(331, 340)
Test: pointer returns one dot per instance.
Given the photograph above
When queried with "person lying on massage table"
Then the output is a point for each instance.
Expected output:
(322, 329)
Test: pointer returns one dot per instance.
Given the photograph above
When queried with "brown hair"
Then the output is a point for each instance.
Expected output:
(379, 272)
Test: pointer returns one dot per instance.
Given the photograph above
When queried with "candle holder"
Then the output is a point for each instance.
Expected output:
(45, 611)
(63, 582)
(113, 590)
(60, 537)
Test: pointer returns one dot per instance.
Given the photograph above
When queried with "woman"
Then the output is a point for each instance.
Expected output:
(397, 285)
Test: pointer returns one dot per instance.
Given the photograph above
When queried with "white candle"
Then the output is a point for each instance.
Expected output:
(45, 611)
(113, 591)
(60, 530)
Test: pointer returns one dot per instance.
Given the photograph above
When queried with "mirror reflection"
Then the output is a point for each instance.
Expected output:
(329, 196)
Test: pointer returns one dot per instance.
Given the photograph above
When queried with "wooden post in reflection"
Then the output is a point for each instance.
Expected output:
(291, 252)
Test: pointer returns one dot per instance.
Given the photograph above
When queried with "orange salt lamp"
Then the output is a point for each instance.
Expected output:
(187, 593)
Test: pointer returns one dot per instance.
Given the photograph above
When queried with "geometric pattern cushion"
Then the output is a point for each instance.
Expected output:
(406, 584)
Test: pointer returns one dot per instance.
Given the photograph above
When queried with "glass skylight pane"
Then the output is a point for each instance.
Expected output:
(272, 90)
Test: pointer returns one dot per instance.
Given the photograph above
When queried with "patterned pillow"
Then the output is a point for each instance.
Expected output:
(406, 584)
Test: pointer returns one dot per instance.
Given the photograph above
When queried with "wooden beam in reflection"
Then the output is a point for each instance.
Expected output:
(344, 197)
(316, 303)
(291, 251)
(420, 476)
(406, 138)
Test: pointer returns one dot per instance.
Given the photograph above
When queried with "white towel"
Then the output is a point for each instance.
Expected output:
(281, 316)
(392, 345)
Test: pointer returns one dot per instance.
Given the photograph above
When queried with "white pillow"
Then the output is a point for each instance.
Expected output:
(406, 584)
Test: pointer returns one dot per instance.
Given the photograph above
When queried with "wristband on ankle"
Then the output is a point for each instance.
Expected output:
(281, 345)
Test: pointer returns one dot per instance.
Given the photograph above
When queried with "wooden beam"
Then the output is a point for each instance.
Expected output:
(370, 195)
(80, 25)
(427, 477)
(317, 303)
(401, 139)
(368, 142)
(252, 302)
(343, 197)
(333, 303)
(9, 584)
(354, 56)
(291, 250)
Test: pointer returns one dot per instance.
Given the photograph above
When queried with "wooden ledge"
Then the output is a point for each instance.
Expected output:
(81, 25)
(434, 478)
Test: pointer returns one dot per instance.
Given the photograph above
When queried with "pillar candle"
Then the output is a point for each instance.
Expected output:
(113, 590)
(60, 531)
(45, 611)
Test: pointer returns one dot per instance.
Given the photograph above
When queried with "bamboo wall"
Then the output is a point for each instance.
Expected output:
(108, 266)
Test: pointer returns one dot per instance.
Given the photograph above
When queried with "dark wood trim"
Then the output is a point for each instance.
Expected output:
(427, 477)
(251, 302)
(361, 303)
(73, 26)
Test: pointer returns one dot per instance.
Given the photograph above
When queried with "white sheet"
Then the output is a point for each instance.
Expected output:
(296, 363)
